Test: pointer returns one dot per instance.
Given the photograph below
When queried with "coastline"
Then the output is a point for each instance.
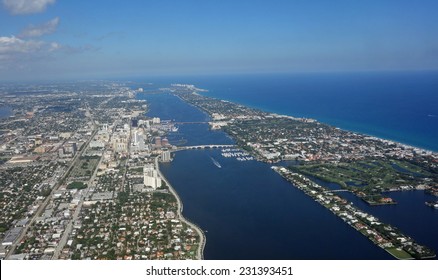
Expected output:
(329, 123)
(391, 119)
(383, 237)
(364, 134)
(202, 237)
(392, 251)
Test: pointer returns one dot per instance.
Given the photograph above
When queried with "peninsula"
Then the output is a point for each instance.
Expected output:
(364, 165)
(80, 176)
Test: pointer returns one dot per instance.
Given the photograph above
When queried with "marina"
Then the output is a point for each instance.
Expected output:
(236, 153)
(229, 203)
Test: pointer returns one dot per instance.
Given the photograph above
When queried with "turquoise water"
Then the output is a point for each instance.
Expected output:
(401, 106)
(249, 212)
(397, 106)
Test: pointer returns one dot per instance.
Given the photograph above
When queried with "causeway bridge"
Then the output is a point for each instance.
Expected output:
(189, 122)
(201, 147)
(336, 191)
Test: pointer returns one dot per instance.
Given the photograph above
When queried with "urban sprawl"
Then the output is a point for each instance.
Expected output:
(80, 177)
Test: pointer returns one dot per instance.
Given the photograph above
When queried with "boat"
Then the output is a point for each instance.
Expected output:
(216, 162)
(433, 204)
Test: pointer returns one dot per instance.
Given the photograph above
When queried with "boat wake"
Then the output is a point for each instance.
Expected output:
(216, 162)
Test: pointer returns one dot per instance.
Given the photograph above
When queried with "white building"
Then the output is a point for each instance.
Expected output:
(97, 144)
(151, 178)
(165, 156)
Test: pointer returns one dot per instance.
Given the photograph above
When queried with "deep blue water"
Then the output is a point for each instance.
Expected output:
(247, 210)
(168, 107)
(401, 106)
(410, 215)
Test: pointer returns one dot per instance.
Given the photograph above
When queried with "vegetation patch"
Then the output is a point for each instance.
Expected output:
(370, 176)
(399, 253)
(77, 185)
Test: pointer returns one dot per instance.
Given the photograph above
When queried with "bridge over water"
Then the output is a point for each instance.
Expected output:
(201, 147)
(335, 191)
(189, 122)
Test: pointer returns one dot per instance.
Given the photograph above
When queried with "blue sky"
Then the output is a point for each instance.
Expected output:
(61, 39)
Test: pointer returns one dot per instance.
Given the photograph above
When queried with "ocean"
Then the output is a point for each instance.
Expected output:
(246, 210)
(249, 212)
(401, 106)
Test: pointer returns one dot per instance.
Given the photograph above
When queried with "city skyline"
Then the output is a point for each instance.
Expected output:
(52, 40)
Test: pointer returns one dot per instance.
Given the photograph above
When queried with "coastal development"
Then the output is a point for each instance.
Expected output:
(79, 177)
(80, 172)
(366, 166)
(383, 235)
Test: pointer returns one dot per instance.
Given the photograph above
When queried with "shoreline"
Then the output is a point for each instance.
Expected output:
(370, 236)
(272, 111)
(388, 250)
(373, 234)
(202, 237)
(288, 115)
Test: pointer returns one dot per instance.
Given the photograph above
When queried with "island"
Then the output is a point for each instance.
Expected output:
(364, 165)
(80, 171)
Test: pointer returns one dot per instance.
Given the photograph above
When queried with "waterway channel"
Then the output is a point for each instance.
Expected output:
(246, 210)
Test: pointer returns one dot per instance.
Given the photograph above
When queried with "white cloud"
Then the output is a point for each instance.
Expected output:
(20, 55)
(40, 30)
(11, 45)
(19, 7)
(16, 49)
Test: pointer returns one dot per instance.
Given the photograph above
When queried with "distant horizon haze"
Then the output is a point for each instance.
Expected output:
(49, 40)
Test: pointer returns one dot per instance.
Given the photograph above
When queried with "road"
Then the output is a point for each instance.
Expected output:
(49, 197)
(202, 237)
(69, 227)
(75, 216)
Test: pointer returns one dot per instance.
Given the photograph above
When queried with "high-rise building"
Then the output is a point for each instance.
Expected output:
(120, 142)
(135, 138)
(151, 178)
(165, 156)
(165, 142)
(158, 141)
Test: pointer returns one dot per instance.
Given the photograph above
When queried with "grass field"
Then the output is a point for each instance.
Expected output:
(84, 168)
(399, 254)
(368, 175)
